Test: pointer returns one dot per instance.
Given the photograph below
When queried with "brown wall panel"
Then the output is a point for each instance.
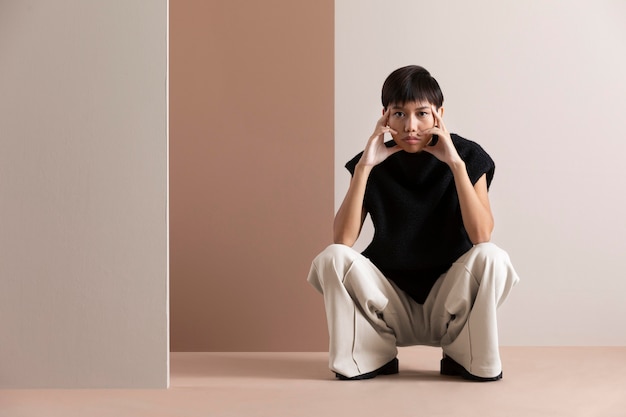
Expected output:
(251, 172)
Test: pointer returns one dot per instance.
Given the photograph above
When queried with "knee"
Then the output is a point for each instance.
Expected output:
(334, 261)
(336, 251)
(329, 255)
(493, 262)
(337, 254)
(489, 252)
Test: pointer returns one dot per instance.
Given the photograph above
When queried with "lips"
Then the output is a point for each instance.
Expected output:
(412, 140)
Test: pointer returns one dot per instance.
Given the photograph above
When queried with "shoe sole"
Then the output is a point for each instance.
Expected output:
(390, 368)
(452, 368)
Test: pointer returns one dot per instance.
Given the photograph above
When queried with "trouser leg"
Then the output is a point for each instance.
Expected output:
(368, 316)
(468, 295)
(355, 295)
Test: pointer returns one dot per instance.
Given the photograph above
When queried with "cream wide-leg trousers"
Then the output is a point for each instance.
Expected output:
(369, 316)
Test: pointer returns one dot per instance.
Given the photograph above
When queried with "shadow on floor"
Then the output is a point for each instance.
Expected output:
(279, 366)
(250, 365)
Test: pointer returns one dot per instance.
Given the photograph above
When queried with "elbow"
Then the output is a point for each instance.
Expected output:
(480, 235)
(340, 239)
(342, 236)
(481, 238)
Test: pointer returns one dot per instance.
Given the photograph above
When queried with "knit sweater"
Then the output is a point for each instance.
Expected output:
(413, 204)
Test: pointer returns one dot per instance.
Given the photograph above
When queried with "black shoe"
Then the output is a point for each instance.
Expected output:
(389, 368)
(450, 367)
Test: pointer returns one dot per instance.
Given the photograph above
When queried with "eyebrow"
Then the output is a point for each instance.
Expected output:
(419, 108)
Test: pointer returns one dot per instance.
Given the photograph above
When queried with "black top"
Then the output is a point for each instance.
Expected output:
(413, 203)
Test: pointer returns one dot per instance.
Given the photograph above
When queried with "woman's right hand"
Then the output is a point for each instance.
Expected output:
(375, 151)
(351, 214)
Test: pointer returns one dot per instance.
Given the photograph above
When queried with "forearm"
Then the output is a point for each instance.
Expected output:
(350, 216)
(474, 202)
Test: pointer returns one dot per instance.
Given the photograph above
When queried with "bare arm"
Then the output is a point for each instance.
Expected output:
(473, 199)
(475, 207)
(351, 214)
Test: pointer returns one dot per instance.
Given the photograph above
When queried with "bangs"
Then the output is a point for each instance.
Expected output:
(411, 84)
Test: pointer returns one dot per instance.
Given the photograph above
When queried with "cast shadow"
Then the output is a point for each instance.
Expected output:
(274, 366)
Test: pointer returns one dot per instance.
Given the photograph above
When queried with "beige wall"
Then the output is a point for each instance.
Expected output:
(251, 128)
(83, 194)
(541, 86)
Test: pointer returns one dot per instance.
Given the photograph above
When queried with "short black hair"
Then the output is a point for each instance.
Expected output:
(409, 84)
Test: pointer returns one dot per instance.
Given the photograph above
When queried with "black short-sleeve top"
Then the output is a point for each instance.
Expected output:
(413, 204)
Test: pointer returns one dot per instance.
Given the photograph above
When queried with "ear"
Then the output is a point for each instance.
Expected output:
(384, 110)
(441, 109)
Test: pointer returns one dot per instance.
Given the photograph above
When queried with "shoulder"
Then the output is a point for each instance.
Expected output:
(351, 164)
(477, 160)
(467, 146)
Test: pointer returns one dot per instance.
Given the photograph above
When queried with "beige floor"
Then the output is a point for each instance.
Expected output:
(573, 381)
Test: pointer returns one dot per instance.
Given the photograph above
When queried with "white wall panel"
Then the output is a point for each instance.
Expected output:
(540, 85)
(83, 194)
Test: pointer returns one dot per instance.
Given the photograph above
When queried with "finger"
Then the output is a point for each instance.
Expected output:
(438, 119)
(379, 134)
(388, 129)
(386, 116)
(435, 130)
(435, 114)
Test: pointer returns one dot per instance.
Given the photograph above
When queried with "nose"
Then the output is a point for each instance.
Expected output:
(411, 124)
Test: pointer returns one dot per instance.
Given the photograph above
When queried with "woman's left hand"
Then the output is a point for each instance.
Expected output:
(444, 149)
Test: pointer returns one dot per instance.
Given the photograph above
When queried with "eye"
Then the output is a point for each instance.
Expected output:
(422, 114)
(398, 114)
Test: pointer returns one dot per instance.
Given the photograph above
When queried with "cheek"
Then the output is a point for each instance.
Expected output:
(426, 123)
(395, 124)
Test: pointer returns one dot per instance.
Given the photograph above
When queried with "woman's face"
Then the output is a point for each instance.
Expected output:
(410, 120)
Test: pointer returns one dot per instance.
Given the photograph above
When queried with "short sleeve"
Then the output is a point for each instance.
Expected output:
(351, 164)
(477, 162)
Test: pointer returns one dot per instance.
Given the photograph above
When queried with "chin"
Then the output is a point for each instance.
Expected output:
(413, 149)
(409, 148)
